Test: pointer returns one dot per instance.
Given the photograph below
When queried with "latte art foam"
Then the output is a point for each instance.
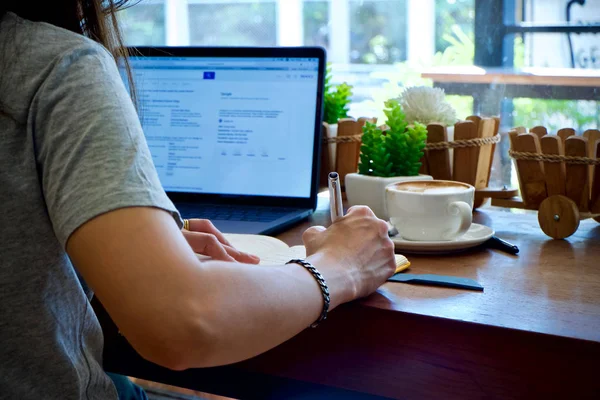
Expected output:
(432, 187)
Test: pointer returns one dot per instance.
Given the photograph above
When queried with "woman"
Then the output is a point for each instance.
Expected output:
(80, 196)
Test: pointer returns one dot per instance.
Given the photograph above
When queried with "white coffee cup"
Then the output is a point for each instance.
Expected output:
(430, 210)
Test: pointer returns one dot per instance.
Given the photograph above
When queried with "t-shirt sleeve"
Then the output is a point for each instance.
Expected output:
(91, 152)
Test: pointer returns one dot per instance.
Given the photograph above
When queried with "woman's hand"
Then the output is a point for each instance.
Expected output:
(206, 239)
(358, 246)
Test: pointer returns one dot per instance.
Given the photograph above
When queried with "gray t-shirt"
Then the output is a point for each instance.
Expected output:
(71, 148)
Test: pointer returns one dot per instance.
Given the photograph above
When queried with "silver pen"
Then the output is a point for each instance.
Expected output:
(335, 197)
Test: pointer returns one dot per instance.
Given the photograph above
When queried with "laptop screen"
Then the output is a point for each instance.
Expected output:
(231, 126)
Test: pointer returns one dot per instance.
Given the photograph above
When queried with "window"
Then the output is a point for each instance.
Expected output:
(233, 24)
(365, 39)
(144, 24)
(381, 46)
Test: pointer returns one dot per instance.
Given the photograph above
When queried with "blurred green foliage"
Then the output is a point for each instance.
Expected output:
(315, 15)
(405, 143)
(451, 13)
(378, 31)
(336, 99)
(374, 159)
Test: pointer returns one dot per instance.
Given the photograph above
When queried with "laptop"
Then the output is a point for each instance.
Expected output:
(234, 133)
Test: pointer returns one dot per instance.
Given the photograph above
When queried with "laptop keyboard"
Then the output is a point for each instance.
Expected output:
(233, 213)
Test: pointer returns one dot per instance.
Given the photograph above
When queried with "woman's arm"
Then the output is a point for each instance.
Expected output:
(181, 313)
(109, 211)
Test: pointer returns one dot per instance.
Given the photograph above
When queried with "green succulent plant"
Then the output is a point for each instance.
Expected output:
(374, 159)
(336, 99)
(398, 151)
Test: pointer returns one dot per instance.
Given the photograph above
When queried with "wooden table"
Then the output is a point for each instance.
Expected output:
(510, 76)
(489, 86)
(533, 333)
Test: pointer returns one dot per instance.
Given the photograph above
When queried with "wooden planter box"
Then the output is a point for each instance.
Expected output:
(342, 154)
(458, 161)
(559, 175)
(469, 158)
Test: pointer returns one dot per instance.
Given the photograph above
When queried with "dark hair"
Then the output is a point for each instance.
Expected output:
(95, 19)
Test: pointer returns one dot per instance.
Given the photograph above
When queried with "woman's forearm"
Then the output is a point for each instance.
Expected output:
(239, 311)
(181, 313)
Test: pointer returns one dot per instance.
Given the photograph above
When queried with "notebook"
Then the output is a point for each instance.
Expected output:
(273, 251)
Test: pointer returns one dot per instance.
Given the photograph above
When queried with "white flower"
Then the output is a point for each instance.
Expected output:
(426, 105)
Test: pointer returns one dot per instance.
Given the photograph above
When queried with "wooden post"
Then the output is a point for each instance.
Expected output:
(565, 133)
(487, 127)
(531, 173)
(540, 131)
(438, 161)
(577, 184)
(476, 119)
(423, 169)
(465, 158)
(554, 172)
(348, 153)
(592, 135)
(496, 132)
(512, 137)
(345, 159)
(595, 198)
(326, 161)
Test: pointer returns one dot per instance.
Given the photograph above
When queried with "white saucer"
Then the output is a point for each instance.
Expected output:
(476, 235)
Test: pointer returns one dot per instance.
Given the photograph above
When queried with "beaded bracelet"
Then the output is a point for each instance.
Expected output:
(322, 284)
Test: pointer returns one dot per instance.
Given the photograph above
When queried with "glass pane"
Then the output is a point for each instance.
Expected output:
(315, 15)
(562, 50)
(453, 27)
(381, 62)
(143, 24)
(248, 23)
(377, 31)
(451, 16)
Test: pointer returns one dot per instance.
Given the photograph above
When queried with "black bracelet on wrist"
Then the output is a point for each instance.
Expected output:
(322, 284)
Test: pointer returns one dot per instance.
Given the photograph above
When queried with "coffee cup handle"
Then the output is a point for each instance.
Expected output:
(464, 211)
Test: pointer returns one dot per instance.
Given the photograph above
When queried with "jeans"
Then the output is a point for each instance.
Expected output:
(127, 390)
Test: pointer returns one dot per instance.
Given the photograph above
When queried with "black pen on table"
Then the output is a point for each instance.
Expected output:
(496, 243)
(335, 197)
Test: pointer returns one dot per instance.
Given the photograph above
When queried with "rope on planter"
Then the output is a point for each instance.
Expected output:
(476, 142)
(553, 158)
(343, 139)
